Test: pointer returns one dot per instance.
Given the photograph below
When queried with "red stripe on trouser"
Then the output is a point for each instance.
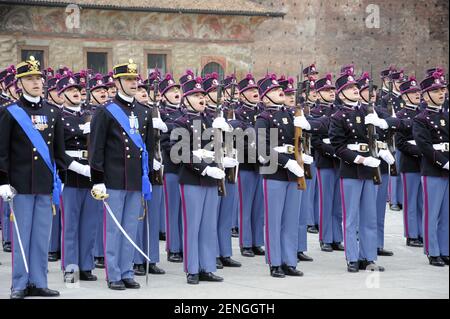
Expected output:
(266, 212)
(63, 224)
(405, 205)
(166, 199)
(185, 242)
(425, 192)
(319, 178)
(241, 216)
(344, 211)
(104, 241)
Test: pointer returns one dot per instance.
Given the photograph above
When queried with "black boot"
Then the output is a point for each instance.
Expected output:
(192, 279)
(247, 252)
(229, 262)
(277, 272)
(291, 271)
(219, 264)
(338, 246)
(445, 259)
(384, 252)
(209, 276)
(87, 276)
(436, 261)
(116, 285)
(155, 270)
(18, 294)
(353, 266)
(69, 277)
(313, 229)
(7, 247)
(162, 236)
(302, 257)
(395, 207)
(258, 251)
(139, 270)
(42, 292)
(52, 257)
(131, 283)
(235, 232)
(174, 258)
(99, 262)
(326, 247)
(414, 242)
(370, 265)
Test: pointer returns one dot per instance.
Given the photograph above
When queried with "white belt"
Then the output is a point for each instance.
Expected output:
(382, 145)
(80, 154)
(412, 142)
(359, 147)
(285, 149)
(443, 147)
(203, 154)
(326, 141)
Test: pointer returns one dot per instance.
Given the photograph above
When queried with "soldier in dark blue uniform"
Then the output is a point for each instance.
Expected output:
(79, 211)
(11, 87)
(430, 131)
(327, 163)
(32, 143)
(171, 110)
(4, 98)
(109, 81)
(198, 177)
(120, 154)
(409, 165)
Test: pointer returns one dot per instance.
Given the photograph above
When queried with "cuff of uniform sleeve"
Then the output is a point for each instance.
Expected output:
(97, 177)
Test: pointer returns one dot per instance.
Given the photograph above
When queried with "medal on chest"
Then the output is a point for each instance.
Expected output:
(134, 123)
(40, 122)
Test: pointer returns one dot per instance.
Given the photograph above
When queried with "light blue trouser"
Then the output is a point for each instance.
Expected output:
(382, 195)
(251, 211)
(154, 207)
(360, 219)
(435, 221)
(200, 213)
(126, 207)
(311, 198)
(395, 186)
(330, 208)
(55, 237)
(99, 250)
(33, 214)
(174, 227)
(412, 205)
(304, 218)
(79, 216)
(281, 207)
(227, 206)
(6, 225)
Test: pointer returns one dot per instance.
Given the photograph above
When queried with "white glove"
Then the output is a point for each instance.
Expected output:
(386, 156)
(156, 165)
(376, 121)
(81, 169)
(7, 192)
(294, 168)
(87, 128)
(446, 166)
(307, 159)
(221, 123)
(159, 125)
(229, 162)
(99, 189)
(371, 162)
(302, 122)
(214, 172)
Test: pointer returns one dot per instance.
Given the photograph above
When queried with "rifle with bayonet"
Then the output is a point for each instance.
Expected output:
(390, 134)
(157, 176)
(306, 137)
(232, 173)
(88, 89)
(218, 144)
(372, 134)
(301, 181)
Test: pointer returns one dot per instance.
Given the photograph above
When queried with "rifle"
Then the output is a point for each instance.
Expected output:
(390, 134)
(372, 134)
(306, 137)
(46, 87)
(218, 145)
(88, 89)
(232, 173)
(157, 176)
(301, 181)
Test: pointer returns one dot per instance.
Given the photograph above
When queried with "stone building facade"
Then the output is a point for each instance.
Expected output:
(256, 35)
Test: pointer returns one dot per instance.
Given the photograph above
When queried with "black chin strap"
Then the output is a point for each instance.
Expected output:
(164, 95)
(272, 100)
(123, 90)
(190, 105)
(324, 99)
(23, 88)
(428, 93)
(348, 98)
(214, 101)
(69, 99)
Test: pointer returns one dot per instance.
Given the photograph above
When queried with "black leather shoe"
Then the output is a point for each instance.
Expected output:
(258, 251)
(99, 262)
(384, 252)
(445, 259)
(313, 230)
(162, 236)
(247, 252)
(353, 266)
(302, 257)
(436, 261)
(7, 247)
(370, 265)
(69, 277)
(18, 294)
(192, 279)
(52, 257)
(326, 247)
(277, 272)
(338, 246)
(219, 263)
(235, 232)
(87, 276)
(414, 242)
(174, 258)
(139, 270)
(291, 271)
(42, 292)
(395, 208)
(229, 262)
(116, 285)
(155, 270)
(209, 276)
(131, 283)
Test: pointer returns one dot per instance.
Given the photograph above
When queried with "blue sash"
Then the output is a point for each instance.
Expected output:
(124, 122)
(39, 143)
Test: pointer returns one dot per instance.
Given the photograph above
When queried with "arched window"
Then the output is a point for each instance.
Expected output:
(213, 67)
